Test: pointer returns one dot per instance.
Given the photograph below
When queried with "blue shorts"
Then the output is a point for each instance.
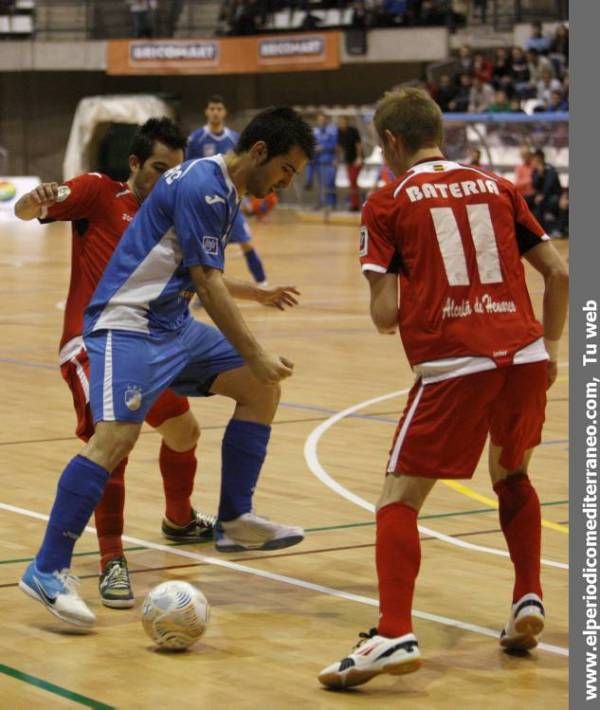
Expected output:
(240, 231)
(129, 370)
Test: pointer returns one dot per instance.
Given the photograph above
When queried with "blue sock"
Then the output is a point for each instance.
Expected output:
(255, 266)
(243, 451)
(79, 489)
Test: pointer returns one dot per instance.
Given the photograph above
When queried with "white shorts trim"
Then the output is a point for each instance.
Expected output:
(393, 462)
(108, 410)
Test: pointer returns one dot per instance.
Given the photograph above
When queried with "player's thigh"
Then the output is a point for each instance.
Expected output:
(444, 427)
(129, 371)
(209, 354)
(518, 415)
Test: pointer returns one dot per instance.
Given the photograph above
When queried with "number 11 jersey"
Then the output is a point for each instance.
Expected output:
(455, 236)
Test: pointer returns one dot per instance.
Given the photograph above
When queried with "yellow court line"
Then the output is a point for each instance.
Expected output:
(470, 493)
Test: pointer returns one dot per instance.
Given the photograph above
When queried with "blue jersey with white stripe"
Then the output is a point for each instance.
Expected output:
(203, 144)
(184, 222)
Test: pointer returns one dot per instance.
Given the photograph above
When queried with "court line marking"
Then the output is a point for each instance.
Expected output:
(470, 493)
(53, 688)
(312, 460)
(293, 581)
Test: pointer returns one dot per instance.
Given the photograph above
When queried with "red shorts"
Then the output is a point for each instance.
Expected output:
(76, 373)
(444, 427)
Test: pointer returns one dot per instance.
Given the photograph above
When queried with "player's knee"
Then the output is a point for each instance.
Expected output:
(183, 434)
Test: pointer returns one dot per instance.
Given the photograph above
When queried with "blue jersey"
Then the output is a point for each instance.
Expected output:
(184, 222)
(326, 143)
(202, 143)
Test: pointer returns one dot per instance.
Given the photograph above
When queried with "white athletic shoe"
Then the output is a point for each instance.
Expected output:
(58, 593)
(372, 656)
(252, 532)
(525, 624)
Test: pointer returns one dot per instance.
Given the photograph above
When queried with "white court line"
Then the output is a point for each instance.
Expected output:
(312, 459)
(294, 581)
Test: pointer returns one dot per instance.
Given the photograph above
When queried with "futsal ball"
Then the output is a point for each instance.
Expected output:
(175, 615)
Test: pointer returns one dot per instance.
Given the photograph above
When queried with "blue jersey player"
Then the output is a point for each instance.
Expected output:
(141, 338)
(216, 139)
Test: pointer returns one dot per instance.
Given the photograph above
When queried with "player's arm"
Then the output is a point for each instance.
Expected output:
(34, 203)
(537, 249)
(221, 307)
(277, 296)
(549, 263)
(384, 301)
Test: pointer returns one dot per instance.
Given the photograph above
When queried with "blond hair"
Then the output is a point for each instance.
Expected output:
(412, 115)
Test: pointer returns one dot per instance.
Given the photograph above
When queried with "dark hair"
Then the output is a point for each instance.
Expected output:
(162, 130)
(280, 128)
(215, 99)
(539, 153)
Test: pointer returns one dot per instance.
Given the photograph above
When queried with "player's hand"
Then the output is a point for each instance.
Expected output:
(271, 369)
(552, 373)
(45, 194)
(278, 297)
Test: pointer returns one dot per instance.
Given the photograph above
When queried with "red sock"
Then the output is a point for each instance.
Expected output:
(178, 469)
(398, 557)
(521, 523)
(109, 516)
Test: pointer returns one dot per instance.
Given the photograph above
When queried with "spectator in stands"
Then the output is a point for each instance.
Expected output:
(562, 222)
(515, 105)
(559, 47)
(482, 68)
(392, 12)
(557, 102)
(246, 17)
(537, 64)
(465, 58)
(445, 92)
(462, 98)
(546, 85)
(360, 15)
(481, 96)
(501, 76)
(500, 104)
(351, 154)
(524, 175)
(474, 158)
(175, 8)
(519, 72)
(481, 7)
(537, 40)
(143, 17)
(325, 161)
(547, 192)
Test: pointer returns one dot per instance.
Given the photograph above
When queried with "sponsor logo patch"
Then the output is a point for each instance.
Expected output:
(211, 245)
(214, 199)
(133, 397)
(364, 241)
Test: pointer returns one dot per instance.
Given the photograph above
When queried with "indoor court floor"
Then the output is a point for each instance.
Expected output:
(276, 618)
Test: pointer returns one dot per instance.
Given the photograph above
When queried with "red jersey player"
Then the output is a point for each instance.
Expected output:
(100, 209)
(451, 238)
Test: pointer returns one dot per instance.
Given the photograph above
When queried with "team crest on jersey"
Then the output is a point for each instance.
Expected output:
(211, 245)
(133, 397)
(364, 241)
(439, 168)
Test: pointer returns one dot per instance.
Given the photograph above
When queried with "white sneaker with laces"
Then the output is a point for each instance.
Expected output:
(525, 624)
(372, 656)
(57, 591)
(253, 532)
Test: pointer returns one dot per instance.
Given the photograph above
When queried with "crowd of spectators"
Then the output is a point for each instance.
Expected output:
(247, 17)
(503, 79)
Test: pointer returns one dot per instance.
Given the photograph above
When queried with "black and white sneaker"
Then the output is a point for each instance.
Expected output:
(525, 624)
(200, 528)
(372, 656)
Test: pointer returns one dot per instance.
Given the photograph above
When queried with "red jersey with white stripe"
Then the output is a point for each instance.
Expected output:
(455, 236)
(100, 210)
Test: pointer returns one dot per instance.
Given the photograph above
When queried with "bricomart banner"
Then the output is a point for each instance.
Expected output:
(230, 55)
